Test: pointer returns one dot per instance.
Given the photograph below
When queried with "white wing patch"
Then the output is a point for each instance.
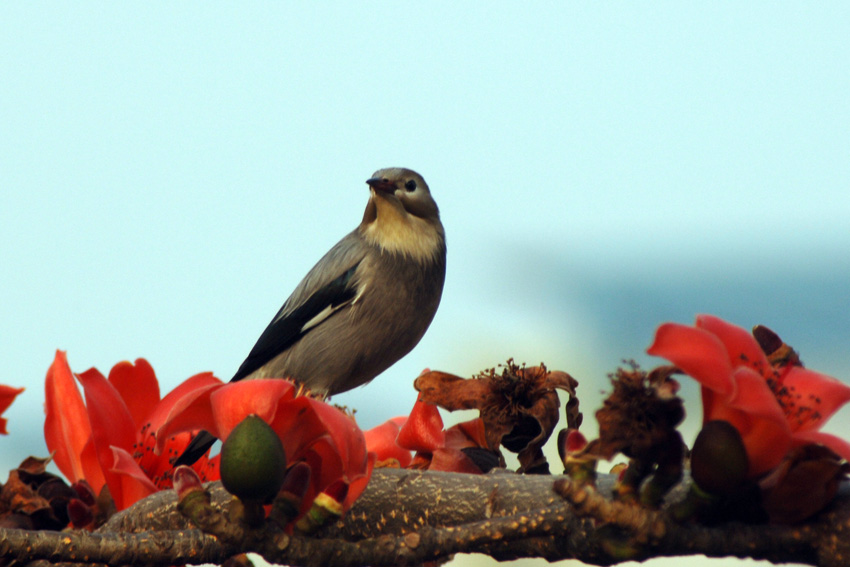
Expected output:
(321, 316)
(330, 310)
(360, 289)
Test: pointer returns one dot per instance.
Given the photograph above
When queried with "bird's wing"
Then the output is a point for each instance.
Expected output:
(328, 287)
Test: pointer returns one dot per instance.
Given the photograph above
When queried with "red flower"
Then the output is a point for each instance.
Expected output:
(7, 396)
(328, 440)
(438, 449)
(774, 408)
(108, 440)
(382, 440)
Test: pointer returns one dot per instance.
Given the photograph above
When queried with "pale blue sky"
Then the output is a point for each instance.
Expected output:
(168, 173)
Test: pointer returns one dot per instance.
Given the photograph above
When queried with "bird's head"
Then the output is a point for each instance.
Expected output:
(402, 216)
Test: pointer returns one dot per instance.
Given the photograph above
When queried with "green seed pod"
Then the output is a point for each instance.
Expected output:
(253, 463)
(719, 461)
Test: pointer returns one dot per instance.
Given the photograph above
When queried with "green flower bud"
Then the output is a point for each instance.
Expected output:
(253, 463)
(719, 461)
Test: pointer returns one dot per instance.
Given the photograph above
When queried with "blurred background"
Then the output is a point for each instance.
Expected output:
(168, 173)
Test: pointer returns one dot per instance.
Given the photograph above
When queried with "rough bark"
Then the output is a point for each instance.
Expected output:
(407, 517)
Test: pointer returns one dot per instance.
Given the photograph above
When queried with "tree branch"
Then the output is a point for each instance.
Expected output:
(408, 517)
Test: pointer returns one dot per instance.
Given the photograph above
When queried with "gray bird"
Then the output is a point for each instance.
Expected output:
(364, 305)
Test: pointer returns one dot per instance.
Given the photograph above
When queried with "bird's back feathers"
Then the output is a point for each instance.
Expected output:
(293, 321)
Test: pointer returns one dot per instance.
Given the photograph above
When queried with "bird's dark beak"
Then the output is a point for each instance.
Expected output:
(382, 184)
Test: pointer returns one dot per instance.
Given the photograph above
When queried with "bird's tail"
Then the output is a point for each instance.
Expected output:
(196, 449)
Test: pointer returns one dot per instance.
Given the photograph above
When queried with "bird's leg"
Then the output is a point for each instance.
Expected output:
(303, 390)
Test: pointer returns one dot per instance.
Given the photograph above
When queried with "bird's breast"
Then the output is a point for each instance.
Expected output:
(406, 235)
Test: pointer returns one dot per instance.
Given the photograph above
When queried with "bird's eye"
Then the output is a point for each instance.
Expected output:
(410, 185)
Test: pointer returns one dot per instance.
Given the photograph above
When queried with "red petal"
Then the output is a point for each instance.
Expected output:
(327, 439)
(218, 408)
(698, 353)
(235, 401)
(208, 469)
(160, 413)
(66, 427)
(190, 412)
(7, 396)
(109, 416)
(466, 434)
(138, 388)
(358, 484)
(452, 460)
(345, 433)
(757, 416)
(741, 346)
(112, 426)
(809, 390)
(134, 483)
(381, 441)
(423, 430)
(836, 444)
(157, 457)
(326, 464)
(323, 457)
(574, 441)
(754, 396)
(92, 472)
(303, 421)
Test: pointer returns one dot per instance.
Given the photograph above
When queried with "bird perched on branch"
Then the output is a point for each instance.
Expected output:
(364, 305)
